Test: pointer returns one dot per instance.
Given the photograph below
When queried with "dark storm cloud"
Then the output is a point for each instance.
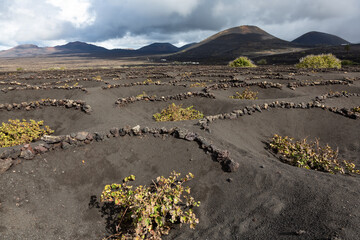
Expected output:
(50, 21)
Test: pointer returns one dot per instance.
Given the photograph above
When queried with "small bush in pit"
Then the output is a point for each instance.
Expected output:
(246, 94)
(177, 113)
(262, 62)
(148, 212)
(319, 61)
(141, 95)
(198, 84)
(150, 81)
(242, 62)
(310, 155)
(18, 132)
(331, 92)
(356, 109)
(97, 78)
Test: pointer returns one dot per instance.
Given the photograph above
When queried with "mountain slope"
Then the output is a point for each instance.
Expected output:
(158, 48)
(27, 50)
(231, 43)
(80, 47)
(319, 39)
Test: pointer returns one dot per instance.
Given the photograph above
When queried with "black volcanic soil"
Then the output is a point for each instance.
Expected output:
(49, 197)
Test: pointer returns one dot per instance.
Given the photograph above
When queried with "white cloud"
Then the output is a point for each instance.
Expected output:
(74, 11)
(134, 23)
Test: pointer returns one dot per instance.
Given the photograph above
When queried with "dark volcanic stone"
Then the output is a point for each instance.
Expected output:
(230, 165)
(5, 164)
(115, 132)
(190, 136)
(87, 108)
(65, 145)
(40, 149)
(27, 152)
(99, 136)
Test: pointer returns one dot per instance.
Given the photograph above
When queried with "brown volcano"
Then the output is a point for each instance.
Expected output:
(231, 43)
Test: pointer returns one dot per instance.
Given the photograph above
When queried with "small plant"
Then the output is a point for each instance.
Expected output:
(150, 81)
(19, 69)
(246, 94)
(148, 212)
(319, 61)
(18, 132)
(242, 62)
(176, 113)
(198, 84)
(97, 78)
(311, 155)
(356, 109)
(143, 94)
(331, 92)
(262, 62)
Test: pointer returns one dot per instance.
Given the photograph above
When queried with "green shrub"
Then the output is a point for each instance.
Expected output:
(262, 62)
(242, 62)
(198, 84)
(311, 155)
(149, 212)
(177, 113)
(19, 69)
(18, 132)
(150, 81)
(356, 109)
(319, 61)
(246, 94)
(141, 95)
(97, 78)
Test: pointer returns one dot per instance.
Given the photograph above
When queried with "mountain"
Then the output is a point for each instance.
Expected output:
(234, 42)
(27, 50)
(30, 50)
(157, 48)
(319, 39)
(80, 47)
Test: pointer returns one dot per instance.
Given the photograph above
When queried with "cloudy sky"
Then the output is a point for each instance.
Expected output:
(135, 23)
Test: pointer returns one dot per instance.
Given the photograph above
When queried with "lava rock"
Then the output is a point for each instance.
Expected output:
(65, 145)
(81, 136)
(5, 164)
(190, 136)
(27, 152)
(181, 133)
(136, 130)
(40, 149)
(230, 165)
(52, 139)
(87, 108)
(115, 132)
(99, 136)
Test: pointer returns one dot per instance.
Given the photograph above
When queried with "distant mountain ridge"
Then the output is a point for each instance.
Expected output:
(319, 39)
(31, 50)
